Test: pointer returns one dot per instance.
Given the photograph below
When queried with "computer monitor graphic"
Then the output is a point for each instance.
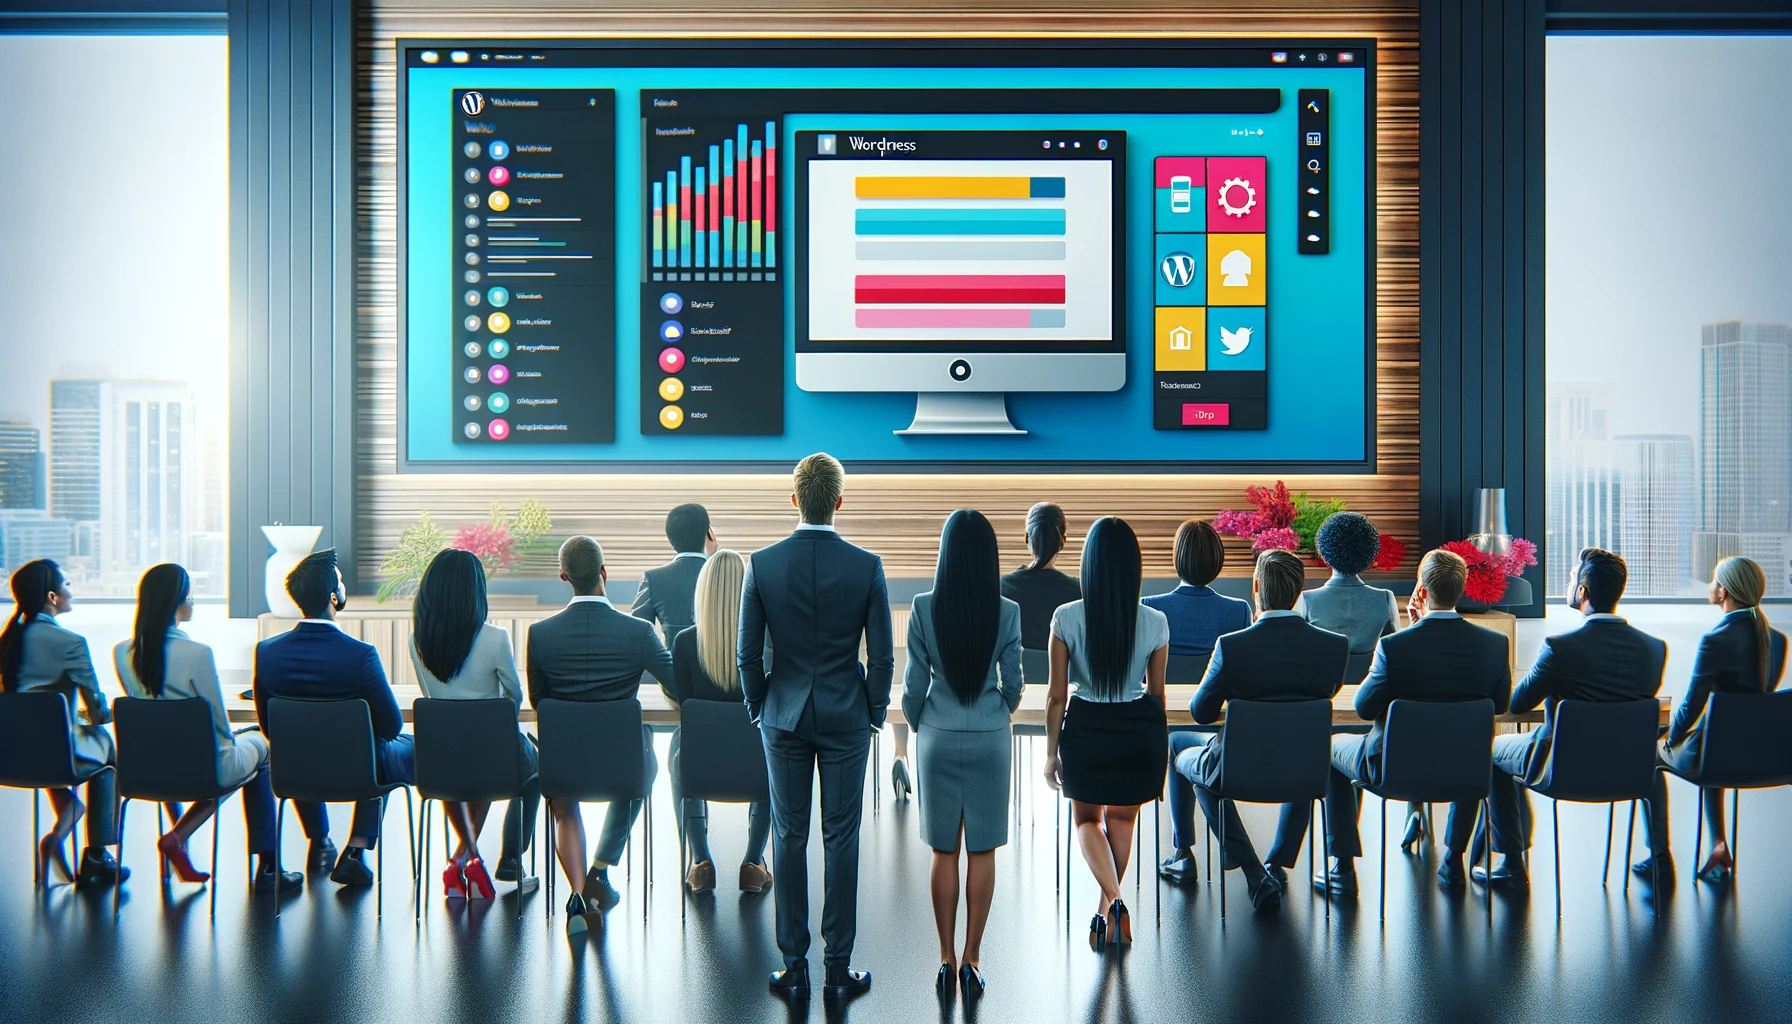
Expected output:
(959, 265)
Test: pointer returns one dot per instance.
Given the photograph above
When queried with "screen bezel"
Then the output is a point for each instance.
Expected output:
(1092, 50)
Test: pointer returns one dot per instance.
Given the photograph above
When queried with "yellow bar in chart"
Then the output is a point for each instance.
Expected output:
(957, 187)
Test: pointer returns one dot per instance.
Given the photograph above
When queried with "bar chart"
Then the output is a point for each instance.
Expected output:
(712, 201)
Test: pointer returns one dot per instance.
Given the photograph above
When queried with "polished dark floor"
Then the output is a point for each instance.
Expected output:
(1709, 953)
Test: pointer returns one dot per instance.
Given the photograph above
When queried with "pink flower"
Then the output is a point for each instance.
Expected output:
(1238, 524)
(1276, 537)
(491, 543)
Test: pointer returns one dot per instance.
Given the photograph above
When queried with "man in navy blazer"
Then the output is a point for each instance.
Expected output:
(1281, 658)
(1604, 660)
(668, 594)
(316, 660)
(815, 595)
(1440, 657)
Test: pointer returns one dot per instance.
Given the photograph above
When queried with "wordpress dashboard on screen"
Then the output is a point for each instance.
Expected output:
(1102, 253)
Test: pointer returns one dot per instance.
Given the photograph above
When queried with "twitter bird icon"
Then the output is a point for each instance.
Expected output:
(1237, 338)
(1235, 342)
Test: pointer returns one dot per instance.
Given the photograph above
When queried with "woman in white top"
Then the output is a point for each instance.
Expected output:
(160, 662)
(460, 656)
(1107, 741)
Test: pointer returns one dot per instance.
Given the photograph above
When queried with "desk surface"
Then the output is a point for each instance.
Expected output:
(657, 710)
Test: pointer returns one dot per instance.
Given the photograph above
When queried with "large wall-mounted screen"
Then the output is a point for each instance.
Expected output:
(1150, 255)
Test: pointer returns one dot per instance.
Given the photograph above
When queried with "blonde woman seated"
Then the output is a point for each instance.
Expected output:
(704, 668)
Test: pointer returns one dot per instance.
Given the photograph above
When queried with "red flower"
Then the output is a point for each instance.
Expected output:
(1274, 505)
(1276, 537)
(1390, 556)
(490, 542)
(1238, 524)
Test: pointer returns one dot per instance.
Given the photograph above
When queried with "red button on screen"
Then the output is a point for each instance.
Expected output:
(1211, 414)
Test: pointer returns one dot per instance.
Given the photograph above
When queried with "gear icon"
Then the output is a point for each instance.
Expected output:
(1225, 200)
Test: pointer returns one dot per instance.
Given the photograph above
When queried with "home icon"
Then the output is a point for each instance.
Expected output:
(1181, 339)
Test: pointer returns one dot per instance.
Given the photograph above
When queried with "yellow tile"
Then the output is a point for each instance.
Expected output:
(1181, 338)
(1236, 270)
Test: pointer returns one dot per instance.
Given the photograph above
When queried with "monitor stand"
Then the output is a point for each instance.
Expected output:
(972, 412)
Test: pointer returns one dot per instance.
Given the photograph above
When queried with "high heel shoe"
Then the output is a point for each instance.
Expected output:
(479, 884)
(899, 780)
(1098, 933)
(971, 979)
(1121, 929)
(943, 983)
(50, 853)
(1415, 832)
(174, 854)
(454, 881)
(1716, 874)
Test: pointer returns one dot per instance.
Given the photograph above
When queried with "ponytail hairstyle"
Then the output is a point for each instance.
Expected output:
(967, 602)
(1111, 571)
(1046, 530)
(1743, 579)
(32, 585)
(161, 592)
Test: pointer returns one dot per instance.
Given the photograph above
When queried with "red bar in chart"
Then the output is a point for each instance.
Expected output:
(963, 288)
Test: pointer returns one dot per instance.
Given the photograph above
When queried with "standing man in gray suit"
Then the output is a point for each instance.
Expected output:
(593, 652)
(816, 595)
(668, 594)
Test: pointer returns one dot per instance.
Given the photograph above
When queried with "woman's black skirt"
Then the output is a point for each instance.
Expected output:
(1114, 754)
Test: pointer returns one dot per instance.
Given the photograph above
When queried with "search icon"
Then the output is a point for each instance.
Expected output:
(1313, 165)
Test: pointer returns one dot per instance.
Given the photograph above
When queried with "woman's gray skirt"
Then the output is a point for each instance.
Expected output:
(963, 778)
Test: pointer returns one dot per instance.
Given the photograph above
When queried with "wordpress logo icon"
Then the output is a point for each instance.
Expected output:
(472, 103)
(1177, 269)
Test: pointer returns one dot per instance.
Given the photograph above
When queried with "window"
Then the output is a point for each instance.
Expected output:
(1670, 295)
(115, 276)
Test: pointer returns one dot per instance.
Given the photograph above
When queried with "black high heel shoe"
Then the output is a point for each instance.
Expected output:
(943, 983)
(971, 979)
(1098, 933)
(1415, 832)
(1121, 930)
(899, 780)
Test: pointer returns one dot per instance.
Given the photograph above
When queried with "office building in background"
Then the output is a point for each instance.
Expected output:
(1745, 448)
(21, 465)
(1585, 484)
(1659, 512)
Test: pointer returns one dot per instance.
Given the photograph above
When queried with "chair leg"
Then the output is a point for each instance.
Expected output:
(417, 889)
(1555, 829)
(1222, 863)
(547, 885)
(1629, 835)
(1698, 835)
(379, 888)
(1611, 811)
(1157, 847)
(1384, 863)
(1325, 862)
(1057, 833)
(279, 834)
(118, 883)
(1735, 825)
(1138, 860)
(1486, 853)
(1069, 833)
(37, 862)
(410, 818)
(216, 814)
(877, 763)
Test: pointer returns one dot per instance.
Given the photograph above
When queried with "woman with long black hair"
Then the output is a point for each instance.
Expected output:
(460, 656)
(161, 662)
(37, 654)
(1106, 742)
(962, 683)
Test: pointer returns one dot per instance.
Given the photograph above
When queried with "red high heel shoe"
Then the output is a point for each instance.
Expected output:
(454, 882)
(479, 884)
(174, 854)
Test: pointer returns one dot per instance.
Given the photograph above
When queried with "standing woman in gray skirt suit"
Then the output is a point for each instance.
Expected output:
(962, 683)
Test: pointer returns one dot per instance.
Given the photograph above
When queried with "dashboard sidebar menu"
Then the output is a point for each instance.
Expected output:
(534, 266)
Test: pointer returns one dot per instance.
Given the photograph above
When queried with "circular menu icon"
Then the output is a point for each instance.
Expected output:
(472, 403)
(471, 349)
(471, 323)
(499, 402)
(499, 348)
(471, 149)
(471, 297)
(471, 375)
(671, 360)
(498, 296)
(498, 175)
(498, 150)
(471, 200)
(499, 429)
(671, 389)
(499, 201)
(671, 331)
(472, 176)
(498, 374)
(671, 417)
(498, 322)
(671, 303)
(471, 430)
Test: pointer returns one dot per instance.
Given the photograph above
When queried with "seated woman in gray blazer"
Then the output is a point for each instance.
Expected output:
(460, 656)
(37, 654)
(962, 683)
(1349, 543)
(160, 662)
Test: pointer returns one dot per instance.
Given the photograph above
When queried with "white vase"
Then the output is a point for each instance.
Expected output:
(291, 545)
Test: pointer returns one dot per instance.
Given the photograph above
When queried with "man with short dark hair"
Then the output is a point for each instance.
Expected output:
(592, 652)
(816, 596)
(1441, 658)
(668, 594)
(316, 660)
(1280, 658)
(1604, 659)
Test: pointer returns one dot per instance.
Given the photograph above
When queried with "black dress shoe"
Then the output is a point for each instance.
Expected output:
(1267, 894)
(1180, 871)
(322, 856)
(598, 890)
(98, 867)
(509, 868)
(269, 876)
(1506, 876)
(971, 979)
(1415, 833)
(1449, 873)
(792, 982)
(842, 980)
(351, 869)
(1340, 881)
(1280, 874)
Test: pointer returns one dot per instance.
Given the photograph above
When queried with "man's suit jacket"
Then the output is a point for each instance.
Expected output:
(1281, 658)
(317, 661)
(816, 594)
(668, 595)
(1439, 658)
(590, 651)
(1604, 660)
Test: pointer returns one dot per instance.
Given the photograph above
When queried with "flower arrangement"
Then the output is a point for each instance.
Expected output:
(1290, 522)
(499, 543)
(1488, 573)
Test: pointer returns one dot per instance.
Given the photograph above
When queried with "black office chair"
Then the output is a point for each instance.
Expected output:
(1186, 669)
(37, 752)
(166, 752)
(322, 751)
(466, 753)
(593, 752)
(720, 758)
(1274, 753)
(1598, 754)
(1744, 746)
(1435, 752)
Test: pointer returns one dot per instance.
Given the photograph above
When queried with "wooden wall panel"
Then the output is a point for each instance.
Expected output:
(898, 515)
